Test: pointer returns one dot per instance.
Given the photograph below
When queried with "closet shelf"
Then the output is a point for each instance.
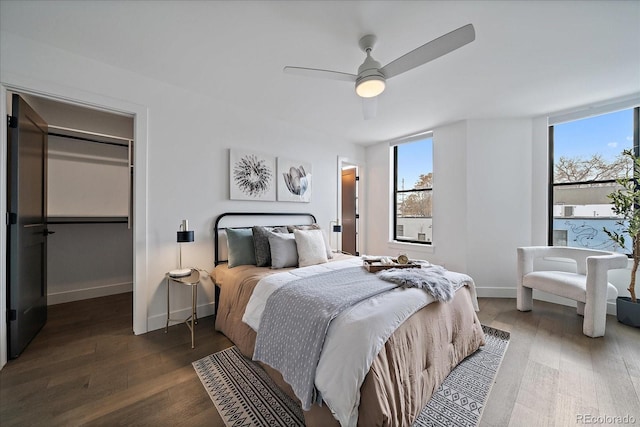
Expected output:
(87, 220)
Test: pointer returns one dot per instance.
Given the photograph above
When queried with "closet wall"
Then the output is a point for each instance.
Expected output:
(90, 253)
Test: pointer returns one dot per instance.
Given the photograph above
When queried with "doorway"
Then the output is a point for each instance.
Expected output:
(348, 206)
(88, 206)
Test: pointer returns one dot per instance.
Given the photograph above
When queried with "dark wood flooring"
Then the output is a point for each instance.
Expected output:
(87, 368)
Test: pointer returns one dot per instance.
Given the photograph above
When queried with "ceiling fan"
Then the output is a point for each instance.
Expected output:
(371, 78)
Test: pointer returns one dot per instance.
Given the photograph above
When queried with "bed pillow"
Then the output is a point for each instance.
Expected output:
(240, 247)
(261, 243)
(284, 252)
(314, 226)
(311, 249)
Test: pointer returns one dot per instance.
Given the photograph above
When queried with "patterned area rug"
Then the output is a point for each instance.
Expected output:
(245, 395)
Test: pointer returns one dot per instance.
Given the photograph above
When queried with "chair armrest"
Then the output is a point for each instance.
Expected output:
(579, 255)
(597, 269)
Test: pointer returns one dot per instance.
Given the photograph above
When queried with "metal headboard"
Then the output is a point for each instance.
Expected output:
(265, 218)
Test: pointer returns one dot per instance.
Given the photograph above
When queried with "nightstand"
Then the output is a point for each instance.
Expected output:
(191, 280)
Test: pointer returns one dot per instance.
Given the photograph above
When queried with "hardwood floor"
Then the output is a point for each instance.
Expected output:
(553, 375)
(87, 368)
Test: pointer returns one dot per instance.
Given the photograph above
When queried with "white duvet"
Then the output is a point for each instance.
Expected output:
(355, 337)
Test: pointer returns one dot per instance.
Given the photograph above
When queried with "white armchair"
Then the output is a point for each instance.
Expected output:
(588, 286)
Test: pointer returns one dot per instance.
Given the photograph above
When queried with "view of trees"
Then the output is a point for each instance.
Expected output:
(417, 203)
(578, 169)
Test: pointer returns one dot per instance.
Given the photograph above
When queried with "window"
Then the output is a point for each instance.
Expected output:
(586, 159)
(413, 188)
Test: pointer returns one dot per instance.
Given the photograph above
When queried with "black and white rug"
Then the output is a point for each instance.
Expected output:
(245, 395)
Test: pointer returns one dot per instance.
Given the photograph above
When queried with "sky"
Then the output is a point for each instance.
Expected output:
(414, 158)
(608, 135)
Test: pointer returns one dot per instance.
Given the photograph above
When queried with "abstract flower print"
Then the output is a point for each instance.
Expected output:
(252, 175)
(296, 180)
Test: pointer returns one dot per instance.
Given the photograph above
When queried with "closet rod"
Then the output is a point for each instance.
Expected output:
(86, 132)
(83, 138)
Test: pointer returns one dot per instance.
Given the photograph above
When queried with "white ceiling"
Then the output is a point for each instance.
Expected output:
(529, 57)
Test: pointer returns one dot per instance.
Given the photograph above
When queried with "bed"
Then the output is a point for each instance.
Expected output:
(403, 374)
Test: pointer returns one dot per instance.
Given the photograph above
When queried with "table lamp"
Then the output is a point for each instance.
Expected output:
(184, 236)
(336, 227)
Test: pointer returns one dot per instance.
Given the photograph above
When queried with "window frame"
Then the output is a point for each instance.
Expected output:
(551, 164)
(396, 191)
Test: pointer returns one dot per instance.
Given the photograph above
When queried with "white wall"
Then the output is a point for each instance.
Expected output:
(189, 136)
(450, 234)
(499, 199)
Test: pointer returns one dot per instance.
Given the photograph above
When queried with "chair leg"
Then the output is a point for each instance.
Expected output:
(595, 319)
(580, 308)
(524, 298)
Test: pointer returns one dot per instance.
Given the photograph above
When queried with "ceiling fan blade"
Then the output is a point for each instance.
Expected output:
(430, 51)
(369, 107)
(320, 74)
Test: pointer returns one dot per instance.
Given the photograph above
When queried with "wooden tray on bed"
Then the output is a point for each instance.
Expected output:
(374, 265)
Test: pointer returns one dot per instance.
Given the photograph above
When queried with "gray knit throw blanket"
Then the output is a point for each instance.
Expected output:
(431, 278)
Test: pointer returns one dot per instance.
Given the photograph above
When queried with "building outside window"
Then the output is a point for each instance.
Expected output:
(586, 159)
(413, 188)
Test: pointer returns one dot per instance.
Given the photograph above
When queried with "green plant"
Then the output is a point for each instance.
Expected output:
(626, 204)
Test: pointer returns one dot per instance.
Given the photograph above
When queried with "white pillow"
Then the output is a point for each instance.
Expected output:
(311, 249)
(283, 250)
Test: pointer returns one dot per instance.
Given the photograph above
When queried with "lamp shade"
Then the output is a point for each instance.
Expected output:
(337, 228)
(185, 236)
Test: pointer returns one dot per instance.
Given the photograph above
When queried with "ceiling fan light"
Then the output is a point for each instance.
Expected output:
(370, 86)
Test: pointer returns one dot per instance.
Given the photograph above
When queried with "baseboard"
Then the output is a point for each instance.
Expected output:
(159, 321)
(87, 293)
(487, 292)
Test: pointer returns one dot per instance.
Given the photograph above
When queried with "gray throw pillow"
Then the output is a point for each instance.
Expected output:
(284, 252)
(261, 243)
(240, 247)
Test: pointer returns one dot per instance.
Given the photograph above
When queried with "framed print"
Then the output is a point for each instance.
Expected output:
(251, 176)
(294, 180)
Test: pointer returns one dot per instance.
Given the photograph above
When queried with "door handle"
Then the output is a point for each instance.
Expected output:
(47, 232)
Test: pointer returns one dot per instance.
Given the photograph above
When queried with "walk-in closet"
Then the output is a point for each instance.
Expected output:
(89, 199)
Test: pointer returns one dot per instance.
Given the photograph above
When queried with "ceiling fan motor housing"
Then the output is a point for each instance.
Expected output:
(370, 81)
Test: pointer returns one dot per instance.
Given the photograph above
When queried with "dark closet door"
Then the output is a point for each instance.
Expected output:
(27, 230)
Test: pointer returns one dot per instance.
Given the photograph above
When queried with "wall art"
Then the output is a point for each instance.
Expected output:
(294, 180)
(251, 176)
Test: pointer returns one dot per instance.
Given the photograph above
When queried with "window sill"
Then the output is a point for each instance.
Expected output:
(419, 247)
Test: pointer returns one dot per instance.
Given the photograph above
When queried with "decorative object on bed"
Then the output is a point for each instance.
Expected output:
(240, 389)
(284, 252)
(184, 236)
(431, 278)
(294, 181)
(313, 226)
(587, 284)
(251, 176)
(375, 264)
(261, 243)
(311, 248)
(240, 247)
